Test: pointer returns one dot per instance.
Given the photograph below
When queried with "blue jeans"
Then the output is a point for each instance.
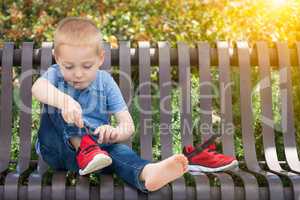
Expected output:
(56, 151)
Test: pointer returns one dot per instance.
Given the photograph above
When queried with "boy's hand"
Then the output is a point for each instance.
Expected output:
(106, 133)
(72, 112)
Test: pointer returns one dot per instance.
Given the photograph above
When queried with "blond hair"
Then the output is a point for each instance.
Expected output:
(77, 31)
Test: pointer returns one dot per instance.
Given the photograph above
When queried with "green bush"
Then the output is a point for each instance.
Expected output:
(171, 20)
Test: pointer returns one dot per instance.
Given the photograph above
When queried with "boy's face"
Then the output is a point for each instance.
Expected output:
(79, 64)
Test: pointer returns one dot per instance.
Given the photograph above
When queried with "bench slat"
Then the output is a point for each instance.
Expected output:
(185, 93)
(107, 64)
(125, 81)
(58, 181)
(227, 185)
(174, 57)
(178, 186)
(165, 86)
(274, 182)
(107, 59)
(267, 119)
(82, 190)
(267, 115)
(225, 98)
(35, 178)
(12, 179)
(249, 180)
(126, 87)
(6, 105)
(245, 106)
(46, 61)
(145, 101)
(25, 107)
(130, 193)
(287, 110)
(165, 112)
(58, 188)
(205, 90)
(106, 187)
(203, 189)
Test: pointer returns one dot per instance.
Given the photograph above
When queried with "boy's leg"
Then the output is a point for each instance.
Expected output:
(71, 136)
(68, 130)
(126, 164)
(50, 137)
(75, 141)
(141, 173)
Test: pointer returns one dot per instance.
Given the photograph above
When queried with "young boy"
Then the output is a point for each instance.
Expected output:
(75, 134)
(76, 95)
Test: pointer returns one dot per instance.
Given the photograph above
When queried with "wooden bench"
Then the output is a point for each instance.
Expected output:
(202, 57)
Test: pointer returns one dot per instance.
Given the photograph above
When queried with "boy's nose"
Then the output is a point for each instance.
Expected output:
(78, 74)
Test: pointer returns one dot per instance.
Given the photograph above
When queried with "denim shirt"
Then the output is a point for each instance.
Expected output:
(101, 98)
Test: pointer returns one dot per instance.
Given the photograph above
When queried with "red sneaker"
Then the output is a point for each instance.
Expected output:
(209, 160)
(90, 157)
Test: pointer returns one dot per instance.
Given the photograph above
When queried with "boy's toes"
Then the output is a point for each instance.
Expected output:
(180, 158)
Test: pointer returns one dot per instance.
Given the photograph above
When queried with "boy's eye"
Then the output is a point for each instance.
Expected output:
(87, 66)
(68, 67)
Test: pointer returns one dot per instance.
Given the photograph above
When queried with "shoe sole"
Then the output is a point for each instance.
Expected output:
(98, 162)
(197, 169)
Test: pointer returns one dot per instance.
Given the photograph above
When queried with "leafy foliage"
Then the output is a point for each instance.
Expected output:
(156, 20)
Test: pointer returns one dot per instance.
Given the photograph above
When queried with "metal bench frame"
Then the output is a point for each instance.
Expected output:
(202, 56)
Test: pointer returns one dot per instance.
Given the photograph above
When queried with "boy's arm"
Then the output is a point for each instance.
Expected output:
(117, 105)
(125, 127)
(45, 92)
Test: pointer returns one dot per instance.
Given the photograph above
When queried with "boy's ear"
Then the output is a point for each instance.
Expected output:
(56, 57)
(101, 57)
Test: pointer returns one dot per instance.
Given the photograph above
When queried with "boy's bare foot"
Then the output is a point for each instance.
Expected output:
(156, 175)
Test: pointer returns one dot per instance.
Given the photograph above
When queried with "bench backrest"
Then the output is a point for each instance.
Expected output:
(200, 57)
